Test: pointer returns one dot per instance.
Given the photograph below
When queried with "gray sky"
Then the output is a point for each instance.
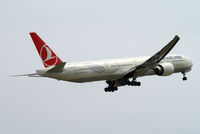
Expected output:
(89, 30)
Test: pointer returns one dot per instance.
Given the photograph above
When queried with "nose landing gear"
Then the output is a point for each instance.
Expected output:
(184, 76)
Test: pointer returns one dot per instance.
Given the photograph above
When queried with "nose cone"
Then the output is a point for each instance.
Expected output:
(189, 62)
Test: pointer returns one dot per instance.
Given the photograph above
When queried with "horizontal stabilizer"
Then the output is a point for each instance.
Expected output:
(57, 68)
(30, 75)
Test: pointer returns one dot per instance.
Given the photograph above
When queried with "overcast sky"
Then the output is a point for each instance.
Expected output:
(81, 30)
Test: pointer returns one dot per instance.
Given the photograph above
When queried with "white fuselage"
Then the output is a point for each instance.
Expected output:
(112, 69)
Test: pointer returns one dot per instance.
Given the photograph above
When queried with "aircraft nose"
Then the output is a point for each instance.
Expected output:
(190, 64)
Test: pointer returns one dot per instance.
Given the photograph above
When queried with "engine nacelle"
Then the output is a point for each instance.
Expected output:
(164, 69)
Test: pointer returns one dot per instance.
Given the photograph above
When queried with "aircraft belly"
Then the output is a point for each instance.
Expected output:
(91, 77)
(94, 78)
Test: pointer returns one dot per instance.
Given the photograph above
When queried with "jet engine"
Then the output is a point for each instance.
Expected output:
(164, 69)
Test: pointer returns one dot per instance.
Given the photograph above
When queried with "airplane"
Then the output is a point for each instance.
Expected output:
(116, 72)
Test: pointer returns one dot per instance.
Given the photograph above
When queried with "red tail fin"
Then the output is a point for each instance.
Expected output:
(48, 57)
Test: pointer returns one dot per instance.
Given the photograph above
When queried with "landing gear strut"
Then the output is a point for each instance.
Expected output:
(184, 76)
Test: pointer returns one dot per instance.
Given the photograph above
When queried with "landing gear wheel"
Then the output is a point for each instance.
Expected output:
(115, 88)
(110, 89)
(111, 86)
(135, 83)
(106, 89)
(184, 78)
(138, 83)
(132, 84)
(129, 83)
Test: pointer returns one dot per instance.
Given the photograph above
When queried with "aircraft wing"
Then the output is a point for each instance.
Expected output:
(150, 64)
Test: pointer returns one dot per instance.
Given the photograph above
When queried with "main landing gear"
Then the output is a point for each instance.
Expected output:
(110, 89)
(111, 86)
(134, 83)
(184, 76)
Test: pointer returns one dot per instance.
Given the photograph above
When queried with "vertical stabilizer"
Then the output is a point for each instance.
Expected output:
(49, 58)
